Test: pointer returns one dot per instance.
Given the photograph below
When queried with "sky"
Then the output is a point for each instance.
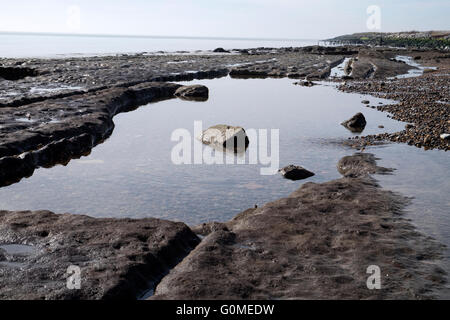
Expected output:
(290, 19)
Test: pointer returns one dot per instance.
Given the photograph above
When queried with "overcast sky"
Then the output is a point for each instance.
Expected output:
(300, 19)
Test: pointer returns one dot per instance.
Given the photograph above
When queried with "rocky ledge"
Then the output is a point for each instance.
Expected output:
(315, 244)
(118, 258)
(45, 133)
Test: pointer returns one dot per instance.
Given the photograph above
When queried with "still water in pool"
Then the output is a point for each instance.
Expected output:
(131, 174)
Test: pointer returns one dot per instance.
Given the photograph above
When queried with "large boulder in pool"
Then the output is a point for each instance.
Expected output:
(292, 172)
(357, 123)
(194, 92)
(225, 136)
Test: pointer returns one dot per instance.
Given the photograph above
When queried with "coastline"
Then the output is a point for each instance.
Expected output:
(126, 87)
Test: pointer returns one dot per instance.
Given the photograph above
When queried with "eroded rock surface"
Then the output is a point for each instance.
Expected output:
(119, 258)
(359, 165)
(315, 244)
(377, 64)
(58, 130)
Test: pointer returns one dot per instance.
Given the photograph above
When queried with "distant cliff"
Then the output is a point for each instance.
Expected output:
(419, 39)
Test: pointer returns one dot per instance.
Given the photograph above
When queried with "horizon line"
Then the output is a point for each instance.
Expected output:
(100, 35)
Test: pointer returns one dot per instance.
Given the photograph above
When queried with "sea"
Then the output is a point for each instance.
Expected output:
(22, 45)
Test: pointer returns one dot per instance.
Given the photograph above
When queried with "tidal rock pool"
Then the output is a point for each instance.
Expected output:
(133, 173)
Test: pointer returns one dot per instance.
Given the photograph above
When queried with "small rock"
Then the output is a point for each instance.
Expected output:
(305, 83)
(365, 101)
(381, 126)
(445, 136)
(356, 124)
(292, 172)
(409, 126)
(194, 92)
(220, 50)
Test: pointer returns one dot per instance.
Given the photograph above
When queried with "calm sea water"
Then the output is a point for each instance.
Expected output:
(20, 46)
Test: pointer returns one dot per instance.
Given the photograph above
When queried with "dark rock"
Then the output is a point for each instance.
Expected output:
(360, 164)
(305, 83)
(292, 172)
(248, 73)
(205, 229)
(16, 73)
(374, 64)
(365, 101)
(319, 74)
(194, 92)
(220, 50)
(119, 258)
(355, 124)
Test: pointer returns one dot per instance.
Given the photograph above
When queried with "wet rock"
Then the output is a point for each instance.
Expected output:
(248, 73)
(305, 83)
(205, 229)
(16, 73)
(355, 124)
(220, 50)
(365, 102)
(225, 136)
(409, 126)
(292, 172)
(360, 164)
(374, 64)
(118, 258)
(319, 74)
(194, 92)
